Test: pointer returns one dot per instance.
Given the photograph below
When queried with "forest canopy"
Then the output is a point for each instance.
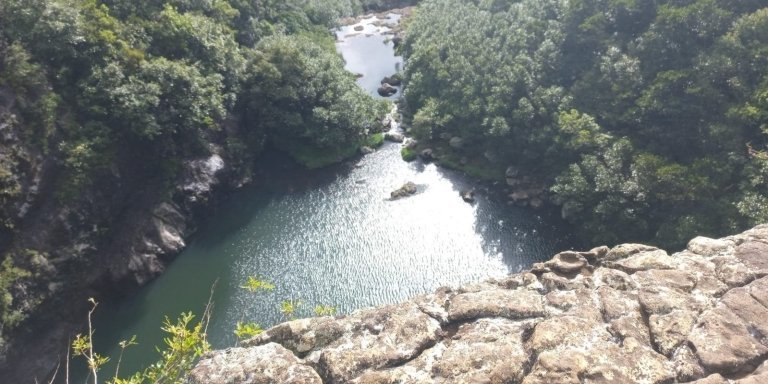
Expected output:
(646, 119)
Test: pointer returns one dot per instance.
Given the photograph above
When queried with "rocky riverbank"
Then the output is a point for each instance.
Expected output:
(629, 314)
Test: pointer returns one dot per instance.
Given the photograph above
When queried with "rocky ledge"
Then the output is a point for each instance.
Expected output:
(630, 314)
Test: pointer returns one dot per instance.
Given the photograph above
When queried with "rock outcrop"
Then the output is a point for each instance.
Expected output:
(408, 189)
(630, 314)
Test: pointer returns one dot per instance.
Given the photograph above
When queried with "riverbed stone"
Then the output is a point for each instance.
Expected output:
(631, 314)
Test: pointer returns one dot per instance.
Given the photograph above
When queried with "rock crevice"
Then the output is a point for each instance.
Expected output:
(629, 314)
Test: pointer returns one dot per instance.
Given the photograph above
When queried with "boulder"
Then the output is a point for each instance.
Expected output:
(406, 190)
(708, 247)
(394, 137)
(386, 90)
(567, 262)
(754, 255)
(511, 304)
(359, 28)
(427, 155)
(270, 363)
(395, 80)
(724, 343)
(468, 196)
(456, 142)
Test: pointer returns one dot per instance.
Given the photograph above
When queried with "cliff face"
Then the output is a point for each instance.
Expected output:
(630, 314)
(57, 252)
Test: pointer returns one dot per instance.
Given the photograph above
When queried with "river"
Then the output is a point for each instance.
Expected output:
(332, 237)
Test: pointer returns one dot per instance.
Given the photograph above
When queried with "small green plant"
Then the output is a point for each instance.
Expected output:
(289, 307)
(185, 342)
(324, 310)
(83, 346)
(254, 285)
(247, 330)
(123, 345)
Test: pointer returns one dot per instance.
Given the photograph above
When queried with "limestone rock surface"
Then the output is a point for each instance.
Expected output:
(628, 314)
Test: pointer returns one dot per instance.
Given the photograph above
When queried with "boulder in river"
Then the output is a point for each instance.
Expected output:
(387, 90)
(427, 154)
(359, 28)
(394, 137)
(406, 190)
(395, 80)
(468, 195)
(411, 143)
(366, 150)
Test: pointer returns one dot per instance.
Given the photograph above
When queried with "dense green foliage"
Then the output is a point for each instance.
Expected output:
(646, 118)
(167, 75)
(185, 341)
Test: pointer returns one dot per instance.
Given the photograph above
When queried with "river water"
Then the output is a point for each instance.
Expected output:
(332, 237)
